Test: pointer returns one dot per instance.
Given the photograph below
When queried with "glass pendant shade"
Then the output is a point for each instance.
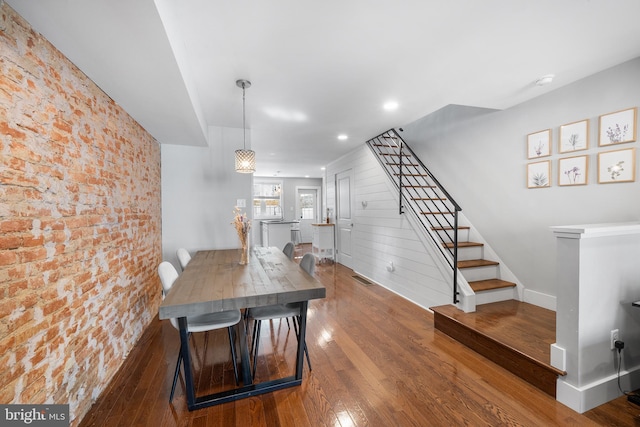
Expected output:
(245, 161)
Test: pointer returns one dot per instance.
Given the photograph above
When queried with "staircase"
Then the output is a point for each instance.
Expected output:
(513, 334)
(422, 194)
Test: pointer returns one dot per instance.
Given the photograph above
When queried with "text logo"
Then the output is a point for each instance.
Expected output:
(34, 415)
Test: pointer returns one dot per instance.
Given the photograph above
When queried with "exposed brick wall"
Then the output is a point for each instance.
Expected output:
(80, 226)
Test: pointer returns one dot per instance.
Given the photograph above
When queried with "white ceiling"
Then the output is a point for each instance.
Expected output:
(322, 68)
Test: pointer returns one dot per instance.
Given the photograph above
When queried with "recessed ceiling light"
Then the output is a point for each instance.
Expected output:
(306, 176)
(545, 80)
(390, 105)
(342, 137)
(323, 168)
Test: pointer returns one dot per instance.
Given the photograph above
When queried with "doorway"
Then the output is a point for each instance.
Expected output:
(307, 210)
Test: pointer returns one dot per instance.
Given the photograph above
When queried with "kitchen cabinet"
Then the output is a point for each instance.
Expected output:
(276, 233)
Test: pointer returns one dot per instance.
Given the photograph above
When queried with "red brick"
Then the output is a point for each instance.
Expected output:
(34, 392)
(16, 287)
(30, 241)
(8, 257)
(26, 333)
(10, 241)
(13, 225)
(53, 306)
(7, 306)
(33, 254)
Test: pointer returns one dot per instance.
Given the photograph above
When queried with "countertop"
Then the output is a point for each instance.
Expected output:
(277, 221)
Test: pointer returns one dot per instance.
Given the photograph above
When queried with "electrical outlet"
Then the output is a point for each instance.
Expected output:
(615, 336)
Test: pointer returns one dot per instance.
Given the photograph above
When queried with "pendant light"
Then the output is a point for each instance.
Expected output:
(245, 159)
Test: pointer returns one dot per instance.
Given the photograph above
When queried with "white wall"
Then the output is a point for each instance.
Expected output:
(289, 194)
(480, 157)
(199, 192)
(598, 280)
(381, 235)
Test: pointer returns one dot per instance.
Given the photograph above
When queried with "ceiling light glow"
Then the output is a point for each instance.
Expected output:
(285, 115)
(342, 137)
(390, 105)
(545, 80)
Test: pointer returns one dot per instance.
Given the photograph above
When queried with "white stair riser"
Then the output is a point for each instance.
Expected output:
(496, 295)
(480, 273)
(447, 236)
(474, 252)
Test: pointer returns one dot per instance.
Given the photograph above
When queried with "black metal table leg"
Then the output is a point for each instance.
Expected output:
(248, 388)
(186, 361)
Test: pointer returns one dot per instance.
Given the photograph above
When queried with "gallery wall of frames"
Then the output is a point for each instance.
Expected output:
(568, 163)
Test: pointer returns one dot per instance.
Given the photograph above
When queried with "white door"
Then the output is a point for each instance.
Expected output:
(344, 216)
(307, 210)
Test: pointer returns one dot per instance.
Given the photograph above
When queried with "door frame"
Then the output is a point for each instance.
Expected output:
(305, 232)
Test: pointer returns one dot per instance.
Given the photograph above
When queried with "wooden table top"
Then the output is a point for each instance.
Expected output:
(214, 281)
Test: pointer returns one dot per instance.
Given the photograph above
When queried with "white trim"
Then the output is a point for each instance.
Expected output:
(558, 357)
(582, 399)
(585, 231)
(540, 299)
(318, 201)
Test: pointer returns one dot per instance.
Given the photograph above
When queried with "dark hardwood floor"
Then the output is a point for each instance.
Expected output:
(377, 361)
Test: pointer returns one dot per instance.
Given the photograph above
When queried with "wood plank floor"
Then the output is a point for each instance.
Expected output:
(377, 361)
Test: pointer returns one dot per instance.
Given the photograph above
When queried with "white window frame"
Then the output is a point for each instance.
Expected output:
(263, 210)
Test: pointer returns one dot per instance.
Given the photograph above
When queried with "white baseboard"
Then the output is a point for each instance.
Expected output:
(540, 299)
(582, 399)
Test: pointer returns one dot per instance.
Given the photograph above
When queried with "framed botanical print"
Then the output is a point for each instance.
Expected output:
(573, 170)
(618, 127)
(617, 166)
(538, 174)
(539, 144)
(574, 136)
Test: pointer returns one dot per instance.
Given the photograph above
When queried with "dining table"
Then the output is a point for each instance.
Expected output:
(214, 281)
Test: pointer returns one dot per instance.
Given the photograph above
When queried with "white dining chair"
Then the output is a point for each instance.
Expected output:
(183, 257)
(308, 263)
(200, 323)
(279, 311)
(289, 249)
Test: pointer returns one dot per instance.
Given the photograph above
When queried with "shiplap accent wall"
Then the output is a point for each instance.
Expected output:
(381, 235)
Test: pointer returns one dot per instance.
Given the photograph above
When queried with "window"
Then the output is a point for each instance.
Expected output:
(267, 199)
(307, 203)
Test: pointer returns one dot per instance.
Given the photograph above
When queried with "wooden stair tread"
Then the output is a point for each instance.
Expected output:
(490, 284)
(411, 174)
(417, 186)
(471, 263)
(449, 245)
(514, 335)
(429, 198)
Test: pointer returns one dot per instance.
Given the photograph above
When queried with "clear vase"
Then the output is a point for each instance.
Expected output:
(244, 254)
(244, 249)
